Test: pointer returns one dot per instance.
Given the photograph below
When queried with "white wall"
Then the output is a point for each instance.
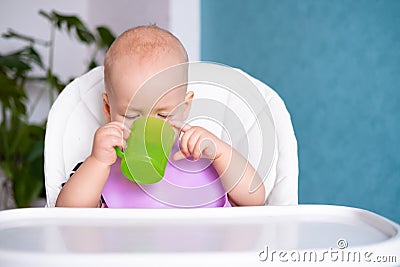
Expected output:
(122, 14)
(181, 17)
(184, 22)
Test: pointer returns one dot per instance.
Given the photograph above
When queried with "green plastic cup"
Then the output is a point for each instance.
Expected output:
(148, 147)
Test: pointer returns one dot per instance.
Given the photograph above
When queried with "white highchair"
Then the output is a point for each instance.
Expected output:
(77, 113)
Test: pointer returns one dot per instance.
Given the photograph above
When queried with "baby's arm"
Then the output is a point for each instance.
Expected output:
(239, 178)
(84, 187)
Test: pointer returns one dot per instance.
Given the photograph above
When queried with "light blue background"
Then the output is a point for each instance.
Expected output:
(336, 64)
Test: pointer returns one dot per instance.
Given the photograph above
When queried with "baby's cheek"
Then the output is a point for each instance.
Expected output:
(177, 135)
(122, 119)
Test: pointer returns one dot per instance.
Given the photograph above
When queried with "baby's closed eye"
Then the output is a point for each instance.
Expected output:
(164, 116)
(131, 117)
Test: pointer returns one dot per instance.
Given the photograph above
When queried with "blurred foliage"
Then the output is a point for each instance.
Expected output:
(21, 142)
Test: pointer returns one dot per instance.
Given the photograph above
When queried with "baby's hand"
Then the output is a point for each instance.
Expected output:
(198, 143)
(106, 138)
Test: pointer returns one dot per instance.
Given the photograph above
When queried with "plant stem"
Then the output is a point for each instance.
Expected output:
(3, 113)
(51, 59)
(5, 126)
(36, 102)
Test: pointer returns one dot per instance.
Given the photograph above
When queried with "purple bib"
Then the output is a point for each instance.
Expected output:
(186, 184)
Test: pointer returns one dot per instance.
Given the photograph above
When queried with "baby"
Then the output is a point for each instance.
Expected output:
(134, 57)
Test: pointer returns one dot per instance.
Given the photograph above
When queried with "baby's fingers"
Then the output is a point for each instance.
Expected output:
(117, 141)
(186, 145)
(119, 126)
(205, 148)
(178, 155)
(180, 125)
(110, 137)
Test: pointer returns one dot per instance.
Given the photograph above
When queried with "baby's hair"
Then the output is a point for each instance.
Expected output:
(147, 41)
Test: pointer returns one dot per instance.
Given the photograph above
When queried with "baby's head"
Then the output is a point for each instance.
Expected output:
(134, 57)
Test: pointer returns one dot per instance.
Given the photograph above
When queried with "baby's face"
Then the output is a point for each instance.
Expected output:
(128, 99)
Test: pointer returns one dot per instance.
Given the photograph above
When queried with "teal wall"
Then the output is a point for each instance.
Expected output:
(336, 64)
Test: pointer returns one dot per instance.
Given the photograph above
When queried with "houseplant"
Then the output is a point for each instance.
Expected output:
(22, 142)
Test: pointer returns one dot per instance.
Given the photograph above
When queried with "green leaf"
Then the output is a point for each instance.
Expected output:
(107, 37)
(46, 15)
(93, 64)
(24, 163)
(28, 183)
(9, 88)
(14, 62)
(11, 34)
(55, 82)
(20, 62)
(12, 96)
(35, 57)
(84, 35)
(36, 131)
(73, 24)
(18, 134)
(36, 151)
(20, 107)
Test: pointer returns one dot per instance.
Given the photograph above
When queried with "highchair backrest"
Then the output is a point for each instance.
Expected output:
(77, 113)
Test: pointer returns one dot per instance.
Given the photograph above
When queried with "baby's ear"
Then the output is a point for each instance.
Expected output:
(188, 103)
(106, 107)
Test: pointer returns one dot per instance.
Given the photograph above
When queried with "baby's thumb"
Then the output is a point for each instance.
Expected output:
(178, 155)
